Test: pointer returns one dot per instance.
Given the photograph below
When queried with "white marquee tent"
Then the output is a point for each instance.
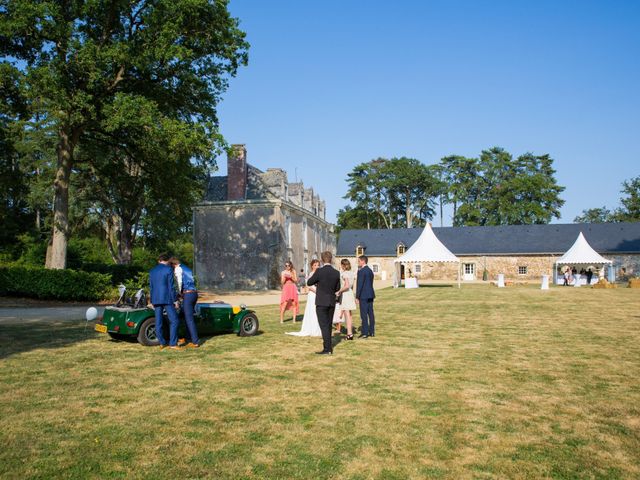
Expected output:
(581, 254)
(428, 249)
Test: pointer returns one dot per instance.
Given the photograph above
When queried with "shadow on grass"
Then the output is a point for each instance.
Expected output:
(20, 338)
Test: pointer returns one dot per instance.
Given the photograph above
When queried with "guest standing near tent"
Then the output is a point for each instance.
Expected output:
(364, 297)
(589, 276)
(289, 295)
(347, 302)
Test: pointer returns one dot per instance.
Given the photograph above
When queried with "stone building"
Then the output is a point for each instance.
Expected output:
(520, 252)
(250, 222)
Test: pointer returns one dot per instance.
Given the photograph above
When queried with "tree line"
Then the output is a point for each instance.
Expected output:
(494, 188)
(628, 211)
(108, 119)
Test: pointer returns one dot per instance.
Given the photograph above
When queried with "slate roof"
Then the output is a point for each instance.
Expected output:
(605, 238)
(217, 188)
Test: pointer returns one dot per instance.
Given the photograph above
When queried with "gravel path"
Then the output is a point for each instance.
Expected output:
(14, 312)
(10, 315)
(42, 313)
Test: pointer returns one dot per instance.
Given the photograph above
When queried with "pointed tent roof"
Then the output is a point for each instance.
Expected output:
(427, 248)
(582, 253)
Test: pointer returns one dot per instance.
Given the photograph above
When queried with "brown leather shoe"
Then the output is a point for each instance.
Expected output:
(176, 348)
(181, 342)
(162, 347)
(192, 345)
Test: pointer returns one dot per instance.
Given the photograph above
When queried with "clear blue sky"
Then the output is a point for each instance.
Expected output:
(332, 84)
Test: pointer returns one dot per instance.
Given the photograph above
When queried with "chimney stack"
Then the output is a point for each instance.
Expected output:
(237, 173)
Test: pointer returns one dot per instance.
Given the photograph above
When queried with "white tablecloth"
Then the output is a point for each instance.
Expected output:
(410, 283)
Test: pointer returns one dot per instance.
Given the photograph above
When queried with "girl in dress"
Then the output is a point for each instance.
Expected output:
(289, 296)
(310, 325)
(348, 299)
(337, 318)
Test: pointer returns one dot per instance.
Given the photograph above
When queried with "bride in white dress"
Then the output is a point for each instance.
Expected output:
(310, 325)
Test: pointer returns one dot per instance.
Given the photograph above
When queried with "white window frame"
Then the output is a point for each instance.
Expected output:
(375, 267)
(417, 268)
(287, 229)
(521, 268)
(304, 234)
(469, 268)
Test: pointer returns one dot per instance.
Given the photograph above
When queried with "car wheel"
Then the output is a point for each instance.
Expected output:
(248, 325)
(117, 336)
(147, 334)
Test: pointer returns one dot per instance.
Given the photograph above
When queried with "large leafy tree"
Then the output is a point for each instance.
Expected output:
(120, 186)
(412, 187)
(388, 193)
(352, 217)
(630, 210)
(14, 212)
(498, 190)
(85, 58)
(459, 174)
(369, 195)
(595, 215)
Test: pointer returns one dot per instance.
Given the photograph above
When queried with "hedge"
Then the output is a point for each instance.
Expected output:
(119, 273)
(48, 284)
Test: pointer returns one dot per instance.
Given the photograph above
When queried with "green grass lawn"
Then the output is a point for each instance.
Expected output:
(473, 383)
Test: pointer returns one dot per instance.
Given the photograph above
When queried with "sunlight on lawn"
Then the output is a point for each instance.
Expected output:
(473, 383)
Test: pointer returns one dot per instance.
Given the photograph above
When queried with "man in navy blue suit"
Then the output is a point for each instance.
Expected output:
(163, 298)
(364, 297)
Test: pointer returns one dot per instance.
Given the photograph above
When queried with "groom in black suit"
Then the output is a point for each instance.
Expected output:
(327, 280)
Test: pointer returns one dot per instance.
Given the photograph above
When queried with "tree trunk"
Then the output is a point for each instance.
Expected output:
(125, 244)
(408, 211)
(119, 236)
(57, 253)
(441, 219)
(38, 221)
(367, 206)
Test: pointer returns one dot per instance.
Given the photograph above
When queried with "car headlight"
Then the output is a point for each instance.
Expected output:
(243, 306)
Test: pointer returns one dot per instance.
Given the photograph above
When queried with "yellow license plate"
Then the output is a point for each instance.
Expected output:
(101, 328)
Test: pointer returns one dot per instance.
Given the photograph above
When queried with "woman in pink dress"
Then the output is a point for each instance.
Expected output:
(289, 296)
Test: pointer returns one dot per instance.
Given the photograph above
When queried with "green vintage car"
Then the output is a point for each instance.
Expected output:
(135, 320)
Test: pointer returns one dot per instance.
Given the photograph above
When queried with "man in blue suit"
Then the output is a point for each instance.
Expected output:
(189, 293)
(364, 297)
(163, 298)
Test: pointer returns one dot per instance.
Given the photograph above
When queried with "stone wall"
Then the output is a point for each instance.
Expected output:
(237, 246)
(319, 237)
(244, 245)
(536, 265)
(627, 266)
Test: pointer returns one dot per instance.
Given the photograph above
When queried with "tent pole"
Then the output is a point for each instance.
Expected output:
(459, 265)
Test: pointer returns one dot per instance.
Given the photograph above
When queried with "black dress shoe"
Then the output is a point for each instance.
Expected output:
(372, 335)
(362, 335)
(324, 353)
